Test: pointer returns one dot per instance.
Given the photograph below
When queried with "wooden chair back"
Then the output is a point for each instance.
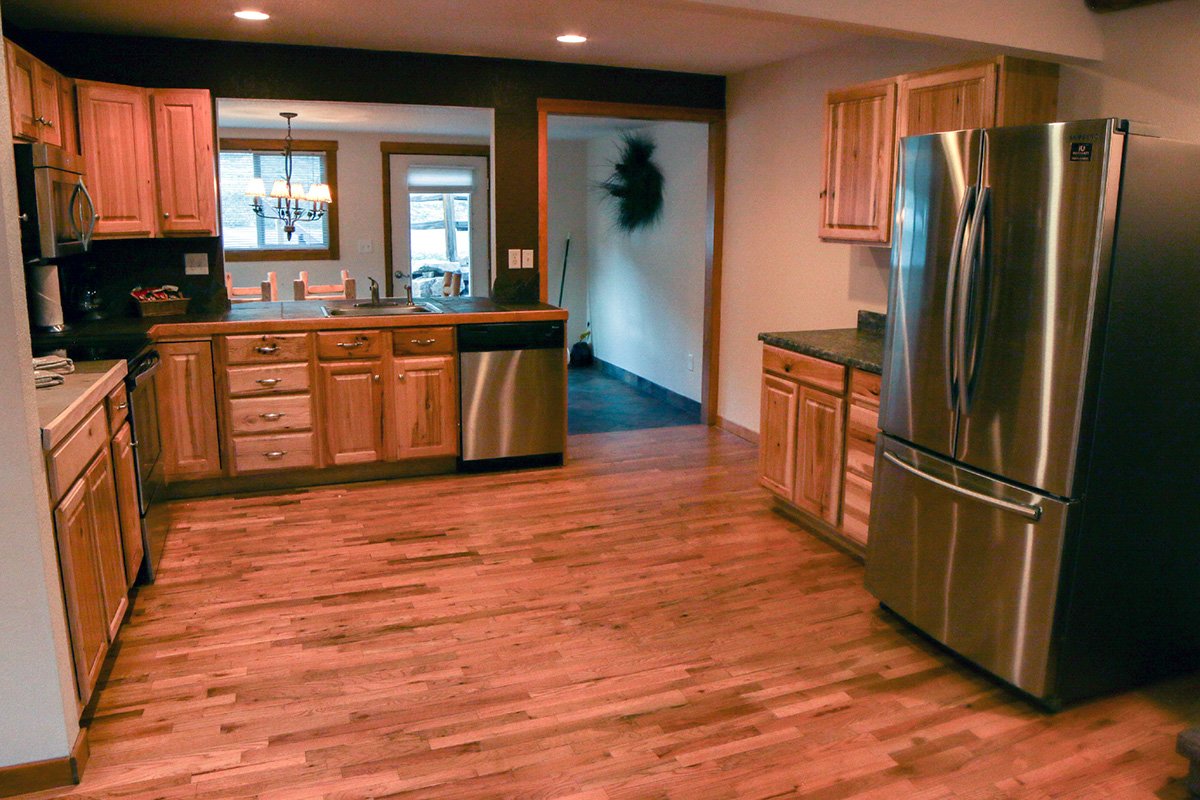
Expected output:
(303, 290)
(265, 292)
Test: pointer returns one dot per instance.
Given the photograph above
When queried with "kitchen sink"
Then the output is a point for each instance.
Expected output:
(383, 308)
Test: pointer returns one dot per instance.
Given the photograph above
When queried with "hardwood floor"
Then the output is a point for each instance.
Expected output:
(637, 624)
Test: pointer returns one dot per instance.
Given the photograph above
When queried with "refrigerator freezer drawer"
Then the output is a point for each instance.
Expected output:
(969, 560)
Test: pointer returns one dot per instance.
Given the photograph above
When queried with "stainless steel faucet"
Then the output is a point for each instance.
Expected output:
(374, 291)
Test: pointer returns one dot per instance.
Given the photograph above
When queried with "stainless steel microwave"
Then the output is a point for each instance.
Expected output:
(57, 214)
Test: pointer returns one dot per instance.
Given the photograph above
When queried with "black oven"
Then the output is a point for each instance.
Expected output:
(147, 454)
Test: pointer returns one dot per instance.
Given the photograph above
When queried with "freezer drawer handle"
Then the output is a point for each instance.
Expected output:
(1031, 513)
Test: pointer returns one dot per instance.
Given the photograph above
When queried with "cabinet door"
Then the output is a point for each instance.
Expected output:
(106, 528)
(47, 104)
(856, 200)
(81, 588)
(352, 411)
(425, 404)
(114, 128)
(22, 89)
(819, 453)
(777, 435)
(125, 474)
(948, 100)
(183, 149)
(187, 411)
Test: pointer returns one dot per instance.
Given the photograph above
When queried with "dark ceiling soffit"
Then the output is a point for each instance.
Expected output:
(257, 70)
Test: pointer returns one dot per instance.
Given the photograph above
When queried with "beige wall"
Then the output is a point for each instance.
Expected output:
(567, 177)
(778, 276)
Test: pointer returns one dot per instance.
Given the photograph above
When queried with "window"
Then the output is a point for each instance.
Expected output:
(249, 237)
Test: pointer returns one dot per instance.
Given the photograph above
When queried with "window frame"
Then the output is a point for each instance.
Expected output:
(328, 148)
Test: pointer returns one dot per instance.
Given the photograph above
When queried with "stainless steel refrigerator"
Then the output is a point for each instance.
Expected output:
(1036, 504)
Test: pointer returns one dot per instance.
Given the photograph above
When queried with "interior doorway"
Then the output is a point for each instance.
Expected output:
(639, 295)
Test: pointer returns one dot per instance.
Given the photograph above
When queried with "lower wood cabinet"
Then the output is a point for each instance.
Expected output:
(425, 404)
(352, 411)
(78, 559)
(187, 411)
(817, 440)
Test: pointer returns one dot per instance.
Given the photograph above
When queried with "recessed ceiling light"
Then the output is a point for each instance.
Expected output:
(257, 16)
(572, 38)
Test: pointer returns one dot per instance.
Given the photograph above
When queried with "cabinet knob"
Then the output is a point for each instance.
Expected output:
(23, 217)
(400, 377)
(271, 415)
(376, 377)
(166, 215)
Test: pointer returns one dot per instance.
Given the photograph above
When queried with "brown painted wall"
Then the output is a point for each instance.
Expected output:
(512, 88)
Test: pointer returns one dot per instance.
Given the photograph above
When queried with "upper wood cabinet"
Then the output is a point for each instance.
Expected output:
(858, 188)
(35, 99)
(183, 149)
(150, 159)
(187, 411)
(856, 200)
(425, 404)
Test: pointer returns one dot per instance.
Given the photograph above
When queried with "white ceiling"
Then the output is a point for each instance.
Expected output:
(461, 123)
(658, 34)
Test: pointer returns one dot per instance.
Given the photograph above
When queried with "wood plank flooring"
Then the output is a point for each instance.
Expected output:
(636, 625)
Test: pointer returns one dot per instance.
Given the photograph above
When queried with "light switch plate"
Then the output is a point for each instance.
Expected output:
(514, 259)
(195, 263)
(526, 259)
(366, 246)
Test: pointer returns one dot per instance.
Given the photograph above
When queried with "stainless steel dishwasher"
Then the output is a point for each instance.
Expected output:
(513, 379)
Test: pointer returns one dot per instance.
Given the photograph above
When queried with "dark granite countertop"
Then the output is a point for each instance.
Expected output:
(861, 347)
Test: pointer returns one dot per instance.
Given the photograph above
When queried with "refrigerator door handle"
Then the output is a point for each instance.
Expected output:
(963, 291)
(1031, 513)
(970, 357)
(948, 349)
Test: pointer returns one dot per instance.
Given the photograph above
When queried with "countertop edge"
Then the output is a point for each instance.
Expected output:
(165, 331)
(54, 431)
(785, 340)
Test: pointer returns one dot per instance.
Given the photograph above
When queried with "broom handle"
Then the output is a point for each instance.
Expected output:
(563, 282)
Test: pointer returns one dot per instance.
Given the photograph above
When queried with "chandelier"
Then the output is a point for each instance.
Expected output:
(291, 203)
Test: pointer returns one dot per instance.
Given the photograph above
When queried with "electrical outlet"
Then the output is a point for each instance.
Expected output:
(514, 259)
(365, 246)
(195, 264)
(526, 259)
(691, 363)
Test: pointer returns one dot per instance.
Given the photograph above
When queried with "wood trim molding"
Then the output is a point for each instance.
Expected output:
(52, 773)
(388, 149)
(740, 431)
(715, 209)
(327, 146)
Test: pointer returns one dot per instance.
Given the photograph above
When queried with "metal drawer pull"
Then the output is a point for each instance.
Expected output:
(267, 349)
(1031, 513)
(271, 415)
(275, 454)
(351, 345)
(268, 381)
(122, 406)
(422, 342)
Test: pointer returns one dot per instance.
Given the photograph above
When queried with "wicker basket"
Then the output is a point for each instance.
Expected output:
(162, 308)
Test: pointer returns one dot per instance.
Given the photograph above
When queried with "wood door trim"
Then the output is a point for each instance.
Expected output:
(715, 210)
(388, 149)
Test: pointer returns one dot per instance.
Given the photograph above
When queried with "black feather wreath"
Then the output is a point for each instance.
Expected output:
(636, 184)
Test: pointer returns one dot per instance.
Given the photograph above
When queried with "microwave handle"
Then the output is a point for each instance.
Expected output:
(92, 216)
(74, 208)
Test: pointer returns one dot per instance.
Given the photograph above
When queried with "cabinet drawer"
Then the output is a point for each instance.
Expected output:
(861, 431)
(281, 451)
(69, 459)
(271, 414)
(864, 388)
(278, 379)
(856, 508)
(422, 341)
(268, 348)
(117, 406)
(806, 369)
(349, 344)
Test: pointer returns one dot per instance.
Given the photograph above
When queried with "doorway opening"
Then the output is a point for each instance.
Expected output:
(640, 298)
